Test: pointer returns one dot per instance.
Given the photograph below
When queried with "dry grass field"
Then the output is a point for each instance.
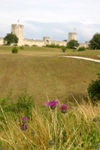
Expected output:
(41, 72)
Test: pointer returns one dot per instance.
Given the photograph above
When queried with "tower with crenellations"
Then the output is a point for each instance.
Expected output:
(72, 36)
(18, 31)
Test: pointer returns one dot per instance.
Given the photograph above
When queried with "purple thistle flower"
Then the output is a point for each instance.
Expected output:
(24, 127)
(52, 104)
(24, 119)
(64, 108)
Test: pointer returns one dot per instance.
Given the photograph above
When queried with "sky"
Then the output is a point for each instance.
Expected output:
(51, 18)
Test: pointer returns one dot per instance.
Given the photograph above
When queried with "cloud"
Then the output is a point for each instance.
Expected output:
(59, 31)
(87, 22)
(54, 18)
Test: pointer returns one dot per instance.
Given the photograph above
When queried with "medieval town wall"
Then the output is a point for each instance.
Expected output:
(44, 42)
(18, 31)
(60, 43)
(33, 42)
(1, 41)
(86, 44)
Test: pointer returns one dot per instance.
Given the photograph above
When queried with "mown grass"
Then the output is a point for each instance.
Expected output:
(74, 131)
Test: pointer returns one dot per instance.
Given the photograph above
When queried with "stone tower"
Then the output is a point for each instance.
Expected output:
(18, 31)
(72, 36)
(46, 40)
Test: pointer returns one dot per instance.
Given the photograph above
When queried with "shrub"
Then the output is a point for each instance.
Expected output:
(15, 50)
(63, 48)
(94, 89)
(82, 48)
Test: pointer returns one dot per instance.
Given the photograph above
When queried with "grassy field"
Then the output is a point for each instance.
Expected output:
(46, 51)
(43, 74)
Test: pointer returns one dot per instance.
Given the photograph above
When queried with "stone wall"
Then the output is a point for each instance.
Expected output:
(86, 44)
(18, 31)
(1, 41)
(61, 43)
(31, 42)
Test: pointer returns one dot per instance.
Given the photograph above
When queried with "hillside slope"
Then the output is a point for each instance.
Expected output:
(55, 77)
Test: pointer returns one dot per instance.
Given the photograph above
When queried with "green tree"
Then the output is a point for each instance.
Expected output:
(73, 44)
(10, 38)
(94, 43)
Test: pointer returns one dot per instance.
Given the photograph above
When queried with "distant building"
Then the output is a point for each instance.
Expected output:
(18, 31)
(72, 36)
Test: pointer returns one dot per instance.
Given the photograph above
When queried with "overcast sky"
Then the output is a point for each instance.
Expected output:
(53, 18)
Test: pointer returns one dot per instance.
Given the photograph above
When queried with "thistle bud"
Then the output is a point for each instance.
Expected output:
(51, 142)
(95, 119)
(64, 108)
(32, 132)
(24, 127)
(53, 107)
(64, 111)
(23, 121)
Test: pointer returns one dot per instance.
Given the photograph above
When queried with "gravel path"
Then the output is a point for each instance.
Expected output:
(90, 59)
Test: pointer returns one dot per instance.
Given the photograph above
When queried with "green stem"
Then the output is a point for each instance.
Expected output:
(96, 135)
(27, 139)
(55, 129)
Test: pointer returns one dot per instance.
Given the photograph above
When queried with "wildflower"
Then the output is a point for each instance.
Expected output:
(64, 108)
(52, 104)
(24, 119)
(24, 127)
